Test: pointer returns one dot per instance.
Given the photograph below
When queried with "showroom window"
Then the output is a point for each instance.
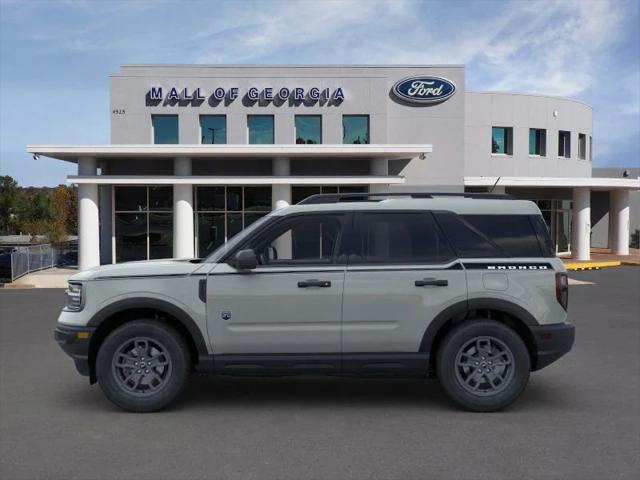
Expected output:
(582, 146)
(261, 129)
(538, 142)
(299, 193)
(221, 212)
(165, 129)
(308, 129)
(143, 222)
(502, 140)
(564, 144)
(213, 129)
(355, 129)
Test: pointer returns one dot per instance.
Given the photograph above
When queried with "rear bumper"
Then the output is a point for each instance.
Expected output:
(75, 343)
(552, 342)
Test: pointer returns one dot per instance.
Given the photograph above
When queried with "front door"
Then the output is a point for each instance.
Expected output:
(401, 274)
(291, 303)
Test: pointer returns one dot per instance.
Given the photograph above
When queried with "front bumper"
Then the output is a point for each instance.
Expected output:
(75, 343)
(552, 342)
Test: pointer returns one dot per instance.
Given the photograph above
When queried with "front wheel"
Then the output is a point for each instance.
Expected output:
(483, 365)
(143, 365)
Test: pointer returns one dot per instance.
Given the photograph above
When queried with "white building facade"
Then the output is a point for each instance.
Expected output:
(198, 153)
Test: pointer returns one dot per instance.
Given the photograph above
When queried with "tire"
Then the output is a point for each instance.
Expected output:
(143, 366)
(483, 365)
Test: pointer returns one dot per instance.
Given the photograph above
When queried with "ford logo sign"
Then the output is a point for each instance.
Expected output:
(424, 89)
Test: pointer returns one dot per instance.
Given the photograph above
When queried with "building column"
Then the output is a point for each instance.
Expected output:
(619, 222)
(281, 194)
(88, 218)
(581, 224)
(379, 167)
(183, 237)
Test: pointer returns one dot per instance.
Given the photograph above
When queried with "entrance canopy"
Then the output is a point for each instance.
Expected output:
(593, 183)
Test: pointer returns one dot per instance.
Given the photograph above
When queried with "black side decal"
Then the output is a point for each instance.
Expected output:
(508, 266)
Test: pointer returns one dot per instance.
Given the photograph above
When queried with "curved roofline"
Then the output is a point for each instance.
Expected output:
(556, 97)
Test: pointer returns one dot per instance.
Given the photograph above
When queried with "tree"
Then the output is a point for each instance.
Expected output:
(9, 191)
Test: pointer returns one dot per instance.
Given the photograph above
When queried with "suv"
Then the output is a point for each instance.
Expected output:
(464, 287)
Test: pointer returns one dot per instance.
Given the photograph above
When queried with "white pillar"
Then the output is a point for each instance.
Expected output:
(619, 216)
(379, 167)
(281, 194)
(183, 237)
(88, 218)
(581, 224)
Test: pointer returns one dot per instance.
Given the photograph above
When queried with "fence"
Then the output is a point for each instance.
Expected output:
(38, 257)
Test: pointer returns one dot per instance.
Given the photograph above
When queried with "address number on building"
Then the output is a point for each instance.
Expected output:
(118, 111)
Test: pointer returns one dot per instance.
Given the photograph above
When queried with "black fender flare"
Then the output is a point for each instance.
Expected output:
(460, 309)
(156, 304)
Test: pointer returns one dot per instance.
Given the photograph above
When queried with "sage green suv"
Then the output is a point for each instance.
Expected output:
(462, 287)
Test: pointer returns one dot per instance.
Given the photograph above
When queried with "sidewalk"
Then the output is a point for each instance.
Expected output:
(49, 278)
(602, 258)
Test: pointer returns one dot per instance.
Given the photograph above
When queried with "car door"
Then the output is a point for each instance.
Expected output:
(291, 303)
(401, 274)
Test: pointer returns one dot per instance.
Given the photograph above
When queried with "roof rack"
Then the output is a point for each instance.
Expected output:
(377, 197)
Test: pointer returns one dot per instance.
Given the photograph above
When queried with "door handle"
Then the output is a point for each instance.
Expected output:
(314, 283)
(431, 282)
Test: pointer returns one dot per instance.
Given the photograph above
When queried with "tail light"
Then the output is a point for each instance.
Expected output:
(562, 289)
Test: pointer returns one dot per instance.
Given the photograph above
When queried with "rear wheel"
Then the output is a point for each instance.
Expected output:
(483, 365)
(143, 366)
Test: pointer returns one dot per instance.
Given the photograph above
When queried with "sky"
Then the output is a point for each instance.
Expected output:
(56, 56)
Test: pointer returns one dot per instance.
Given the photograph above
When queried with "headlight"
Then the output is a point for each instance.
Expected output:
(75, 297)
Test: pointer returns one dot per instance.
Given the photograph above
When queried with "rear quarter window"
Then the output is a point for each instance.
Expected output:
(516, 235)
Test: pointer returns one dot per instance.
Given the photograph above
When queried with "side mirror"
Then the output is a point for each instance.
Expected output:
(245, 260)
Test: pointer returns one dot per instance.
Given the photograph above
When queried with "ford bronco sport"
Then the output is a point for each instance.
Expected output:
(463, 287)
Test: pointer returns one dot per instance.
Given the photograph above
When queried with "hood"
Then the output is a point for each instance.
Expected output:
(140, 269)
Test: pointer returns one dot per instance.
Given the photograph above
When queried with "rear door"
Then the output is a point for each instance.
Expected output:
(401, 274)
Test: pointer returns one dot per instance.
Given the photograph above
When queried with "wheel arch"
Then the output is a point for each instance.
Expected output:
(503, 311)
(127, 310)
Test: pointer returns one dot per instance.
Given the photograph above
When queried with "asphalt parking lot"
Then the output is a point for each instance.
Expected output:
(579, 418)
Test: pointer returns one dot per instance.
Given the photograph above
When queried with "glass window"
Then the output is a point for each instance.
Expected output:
(590, 148)
(299, 193)
(582, 146)
(399, 238)
(131, 199)
(564, 144)
(213, 129)
(310, 239)
(514, 234)
(165, 128)
(537, 142)
(502, 140)
(131, 236)
(261, 129)
(210, 198)
(308, 129)
(160, 235)
(211, 232)
(355, 129)
(257, 198)
(467, 242)
(160, 198)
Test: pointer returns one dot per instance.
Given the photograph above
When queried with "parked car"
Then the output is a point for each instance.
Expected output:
(462, 287)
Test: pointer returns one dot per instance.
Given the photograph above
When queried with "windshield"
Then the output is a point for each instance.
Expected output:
(221, 251)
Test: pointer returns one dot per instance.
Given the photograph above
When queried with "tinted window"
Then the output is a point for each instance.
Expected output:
(467, 242)
(213, 129)
(355, 129)
(260, 129)
(512, 233)
(165, 128)
(542, 230)
(308, 129)
(398, 238)
(308, 239)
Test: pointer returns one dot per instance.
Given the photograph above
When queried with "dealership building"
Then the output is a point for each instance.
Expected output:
(199, 152)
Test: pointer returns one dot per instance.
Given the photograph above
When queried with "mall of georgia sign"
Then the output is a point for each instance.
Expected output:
(424, 90)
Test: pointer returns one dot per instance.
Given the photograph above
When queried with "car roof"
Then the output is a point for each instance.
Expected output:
(459, 205)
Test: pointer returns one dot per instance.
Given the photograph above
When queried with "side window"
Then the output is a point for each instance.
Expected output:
(392, 238)
(512, 233)
(301, 240)
(468, 242)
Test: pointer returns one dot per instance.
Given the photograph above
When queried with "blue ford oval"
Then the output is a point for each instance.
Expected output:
(424, 89)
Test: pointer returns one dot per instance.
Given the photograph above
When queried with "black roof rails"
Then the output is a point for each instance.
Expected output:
(377, 197)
